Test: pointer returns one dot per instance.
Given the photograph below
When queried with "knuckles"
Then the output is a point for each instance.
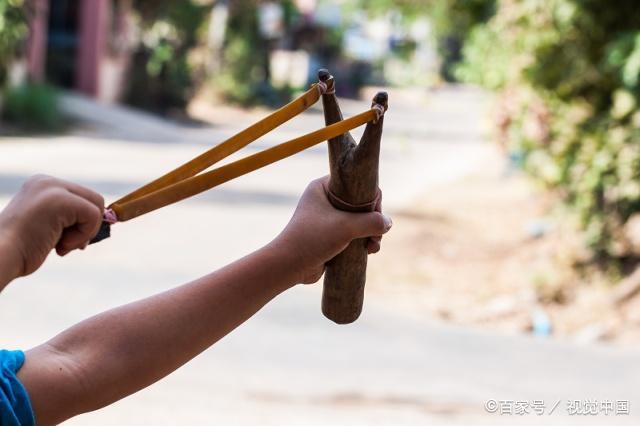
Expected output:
(54, 191)
(53, 196)
(39, 182)
(101, 200)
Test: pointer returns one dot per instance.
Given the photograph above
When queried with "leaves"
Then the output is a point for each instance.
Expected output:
(13, 31)
(162, 77)
(570, 73)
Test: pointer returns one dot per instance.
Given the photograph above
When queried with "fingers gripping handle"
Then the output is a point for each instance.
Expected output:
(354, 187)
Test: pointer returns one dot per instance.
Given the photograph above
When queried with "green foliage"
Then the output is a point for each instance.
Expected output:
(453, 21)
(481, 45)
(244, 59)
(32, 107)
(458, 17)
(244, 75)
(162, 77)
(568, 72)
(13, 30)
(408, 8)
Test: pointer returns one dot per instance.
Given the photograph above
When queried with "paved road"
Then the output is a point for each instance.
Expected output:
(289, 365)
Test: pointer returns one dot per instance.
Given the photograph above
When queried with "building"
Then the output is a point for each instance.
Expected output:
(81, 45)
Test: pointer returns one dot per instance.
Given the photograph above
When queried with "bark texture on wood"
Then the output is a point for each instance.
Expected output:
(354, 179)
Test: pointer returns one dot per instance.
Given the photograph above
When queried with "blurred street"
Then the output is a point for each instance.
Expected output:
(289, 365)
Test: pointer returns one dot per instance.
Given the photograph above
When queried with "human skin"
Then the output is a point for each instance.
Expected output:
(118, 352)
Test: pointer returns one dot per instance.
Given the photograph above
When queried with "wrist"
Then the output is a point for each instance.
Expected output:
(283, 262)
(10, 261)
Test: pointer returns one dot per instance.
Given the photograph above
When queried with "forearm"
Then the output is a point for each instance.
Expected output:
(126, 349)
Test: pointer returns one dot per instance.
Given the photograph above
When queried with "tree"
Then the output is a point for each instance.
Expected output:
(13, 30)
(162, 76)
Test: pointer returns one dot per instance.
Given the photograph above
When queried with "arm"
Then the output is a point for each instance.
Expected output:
(121, 351)
(116, 353)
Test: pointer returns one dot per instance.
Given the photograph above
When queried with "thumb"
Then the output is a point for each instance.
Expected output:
(370, 224)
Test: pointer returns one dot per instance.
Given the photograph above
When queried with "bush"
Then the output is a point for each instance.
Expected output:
(453, 21)
(244, 73)
(244, 57)
(162, 77)
(568, 73)
(32, 107)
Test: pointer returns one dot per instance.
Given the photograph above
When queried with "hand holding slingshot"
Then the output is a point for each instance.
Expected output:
(353, 185)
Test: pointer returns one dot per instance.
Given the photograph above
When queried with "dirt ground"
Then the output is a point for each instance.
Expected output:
(492, 251)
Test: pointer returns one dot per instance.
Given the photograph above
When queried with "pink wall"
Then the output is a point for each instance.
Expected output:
(99, 72)
(93, 29)
(37, 43)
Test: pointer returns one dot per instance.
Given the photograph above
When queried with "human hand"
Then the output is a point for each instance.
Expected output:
(48, 213)
(317, 232)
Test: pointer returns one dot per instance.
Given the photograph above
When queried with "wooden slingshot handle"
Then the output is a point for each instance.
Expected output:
(353, 186)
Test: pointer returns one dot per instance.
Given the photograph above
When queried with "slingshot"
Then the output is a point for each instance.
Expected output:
(353, 185)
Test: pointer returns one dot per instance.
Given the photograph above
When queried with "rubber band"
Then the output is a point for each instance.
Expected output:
(207, 180)
(186, 180)
(379, 110)
(229, 146)
(110, 216)
(323, 88)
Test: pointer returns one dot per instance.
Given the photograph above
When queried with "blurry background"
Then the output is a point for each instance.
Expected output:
(510, 164)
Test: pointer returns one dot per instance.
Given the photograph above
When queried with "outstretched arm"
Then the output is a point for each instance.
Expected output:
(116, 353)
(121, 351)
